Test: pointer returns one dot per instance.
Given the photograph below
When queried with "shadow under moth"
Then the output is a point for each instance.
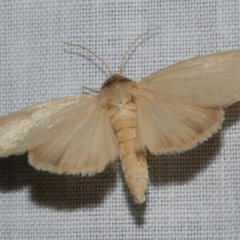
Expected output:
(169, 111)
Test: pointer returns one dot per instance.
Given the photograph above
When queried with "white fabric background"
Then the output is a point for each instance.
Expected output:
(194, 195)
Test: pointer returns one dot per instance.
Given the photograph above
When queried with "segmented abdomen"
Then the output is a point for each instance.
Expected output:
(133, 162)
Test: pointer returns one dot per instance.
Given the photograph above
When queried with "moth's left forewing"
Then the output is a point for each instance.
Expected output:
(181, 106)
(26, 128)
(68, 135)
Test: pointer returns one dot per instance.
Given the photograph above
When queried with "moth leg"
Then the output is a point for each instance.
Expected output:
(90, 89)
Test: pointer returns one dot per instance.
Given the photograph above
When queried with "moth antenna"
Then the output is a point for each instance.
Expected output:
(99, 58)
(90, 89)
(130, 47)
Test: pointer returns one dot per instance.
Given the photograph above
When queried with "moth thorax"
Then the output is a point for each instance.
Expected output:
(117, 91)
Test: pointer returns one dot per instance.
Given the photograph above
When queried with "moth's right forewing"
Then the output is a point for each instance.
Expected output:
(208, 81)
(181, 105)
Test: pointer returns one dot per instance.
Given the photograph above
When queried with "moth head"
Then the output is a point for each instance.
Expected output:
(117, 86)
(117, 90)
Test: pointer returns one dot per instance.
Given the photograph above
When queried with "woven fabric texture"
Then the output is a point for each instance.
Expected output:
(194, 195)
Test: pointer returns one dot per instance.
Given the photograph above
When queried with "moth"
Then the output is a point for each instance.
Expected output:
(169, 111)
